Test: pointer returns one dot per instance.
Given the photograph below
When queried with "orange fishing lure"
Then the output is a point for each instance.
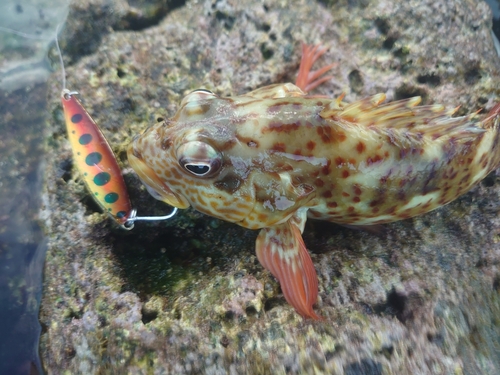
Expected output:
(95, 160)
(92, 154)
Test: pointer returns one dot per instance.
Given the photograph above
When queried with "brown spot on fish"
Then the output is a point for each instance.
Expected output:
(332, 204)
(244, 104)
(315, 213)
(197, 110)
(401, 195)
(375, 210)
(262, 217)
(326, 168)
(229, 183)
(327, 194)
(345, 174)
(345, 194)
(404, 152)
(229, 144)
(383, 179)
(137, 153)
(152, 150)
(280, 127)
(166, 143)
(325, 132)
(361, 147)
(319, 182)
(176, 174)
(201, 200)
(285, 167)
(339, 161)
(356, 189)
(310, 145)
(356, 200)
(350, 209)
(375, 159)
(274, 109)
(278, 147)
(465, 179)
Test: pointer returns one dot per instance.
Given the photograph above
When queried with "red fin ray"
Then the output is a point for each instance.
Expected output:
(281, 250)
(307, 79)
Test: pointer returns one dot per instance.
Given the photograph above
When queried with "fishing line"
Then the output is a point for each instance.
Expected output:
(92, 153)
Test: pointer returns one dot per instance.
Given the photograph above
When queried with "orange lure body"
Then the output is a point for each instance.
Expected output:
(95, 160)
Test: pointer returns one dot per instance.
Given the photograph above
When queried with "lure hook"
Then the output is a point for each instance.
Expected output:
(129, 224)
(97, 164)
(92, 153)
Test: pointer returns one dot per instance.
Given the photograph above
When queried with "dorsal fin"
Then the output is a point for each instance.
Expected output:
(433, 121)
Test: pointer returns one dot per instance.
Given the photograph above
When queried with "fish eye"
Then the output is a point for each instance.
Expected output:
(198, 169)
(199, 158)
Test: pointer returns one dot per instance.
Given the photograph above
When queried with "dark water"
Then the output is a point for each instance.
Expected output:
(22, 246)
(23, 92)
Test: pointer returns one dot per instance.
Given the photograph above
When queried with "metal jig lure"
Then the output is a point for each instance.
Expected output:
(96, 161)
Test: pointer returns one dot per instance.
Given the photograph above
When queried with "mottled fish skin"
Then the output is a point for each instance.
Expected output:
(360, 164)
(273, 157)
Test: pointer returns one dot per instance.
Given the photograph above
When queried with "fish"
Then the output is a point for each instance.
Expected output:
(272, 158)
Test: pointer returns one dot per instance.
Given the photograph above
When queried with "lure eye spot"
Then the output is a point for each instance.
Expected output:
(93, 158)
(85, 139)
(121, 214)
(75, 119)
(102, 178)
(111, 197)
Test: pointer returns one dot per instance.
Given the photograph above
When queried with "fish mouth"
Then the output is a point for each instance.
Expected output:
(155, 186)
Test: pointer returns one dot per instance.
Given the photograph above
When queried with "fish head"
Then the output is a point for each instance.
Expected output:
(207, 157)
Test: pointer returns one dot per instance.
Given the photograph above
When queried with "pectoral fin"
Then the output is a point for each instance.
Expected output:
(281, 250)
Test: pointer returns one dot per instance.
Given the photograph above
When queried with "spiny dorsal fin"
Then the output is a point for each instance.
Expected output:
(405, 115)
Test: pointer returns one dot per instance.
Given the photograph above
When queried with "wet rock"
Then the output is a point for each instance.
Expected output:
(188, 295)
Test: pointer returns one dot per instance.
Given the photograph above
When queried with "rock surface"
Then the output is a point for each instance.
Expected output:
(188, 295)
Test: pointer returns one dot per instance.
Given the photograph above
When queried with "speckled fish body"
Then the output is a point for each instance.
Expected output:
(359, 164)
(275, 156)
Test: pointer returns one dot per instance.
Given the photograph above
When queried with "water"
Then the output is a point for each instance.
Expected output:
(23, 75)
